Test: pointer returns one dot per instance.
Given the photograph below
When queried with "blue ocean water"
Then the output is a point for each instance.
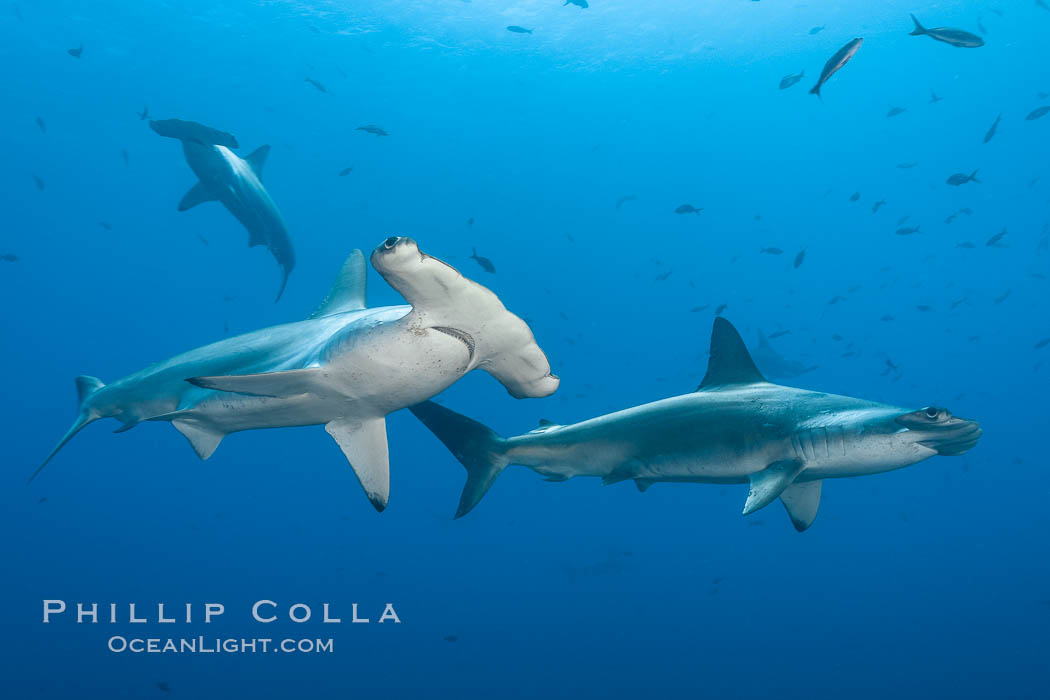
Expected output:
(930, 581)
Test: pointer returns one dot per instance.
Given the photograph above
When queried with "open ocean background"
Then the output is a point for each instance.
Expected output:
(928, 582)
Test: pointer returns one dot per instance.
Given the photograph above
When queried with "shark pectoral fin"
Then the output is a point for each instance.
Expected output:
(257, 159)
(801, 502)
(364, 444)
(769, 483)
(203, 439)
(348, 292)
(198, 194)
(293, 382)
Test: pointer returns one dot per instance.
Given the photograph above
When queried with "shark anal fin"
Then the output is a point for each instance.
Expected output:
(293, 382)
(730, 361)
(769, 483)
(198, 194)
(348, 292)
(365, 446)
(203, 439)
(257, 159)
(802, 501)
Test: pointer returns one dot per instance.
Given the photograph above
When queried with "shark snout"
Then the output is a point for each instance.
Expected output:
(956, 438)
(937, 429)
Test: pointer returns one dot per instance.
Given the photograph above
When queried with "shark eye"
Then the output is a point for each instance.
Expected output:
(391, 242)
(933, 413)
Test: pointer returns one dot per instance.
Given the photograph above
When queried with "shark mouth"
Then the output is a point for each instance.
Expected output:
(954, 440)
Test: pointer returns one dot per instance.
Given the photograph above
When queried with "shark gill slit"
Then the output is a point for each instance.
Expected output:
(459, 335)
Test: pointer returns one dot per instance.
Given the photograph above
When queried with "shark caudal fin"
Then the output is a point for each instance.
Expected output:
(919, 29)
(479, 450)
(86, 388)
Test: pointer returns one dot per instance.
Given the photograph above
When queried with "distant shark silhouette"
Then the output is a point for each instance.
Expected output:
(235, 182)
(774, 365)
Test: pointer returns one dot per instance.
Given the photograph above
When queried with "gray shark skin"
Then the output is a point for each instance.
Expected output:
(735, 428)
(774, 365)
(345, 367)
(236, 183)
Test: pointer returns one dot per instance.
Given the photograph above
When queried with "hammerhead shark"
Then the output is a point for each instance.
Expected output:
(735, 428)
(345, 367)
(235, 182)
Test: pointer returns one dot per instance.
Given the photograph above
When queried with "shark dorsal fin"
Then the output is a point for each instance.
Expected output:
(257, 159)
(348, 292)
(730, 361)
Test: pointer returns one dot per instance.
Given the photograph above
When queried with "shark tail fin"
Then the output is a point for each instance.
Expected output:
(481, 451)
(973, 177)
(86, 387)
(815, 90)
(919, 29)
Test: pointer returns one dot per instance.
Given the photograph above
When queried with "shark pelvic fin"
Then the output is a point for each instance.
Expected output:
(364, 444)
(203, 439)
(802, 502)
(257, 159)
(730, 361)
(769, 483)
(292, 382)
(627, 470)
(198, 194)
(480, 450)
(348, 292)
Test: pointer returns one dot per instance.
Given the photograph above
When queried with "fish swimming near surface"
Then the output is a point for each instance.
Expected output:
(41, 124)
(854, 197)
(317, 85)
(687, 209)
(934, 99)
(144, 114)
(9, 257)
(736, 428)
(518, 30)
(962, 178)
(373, 129)
(907, 230)
(990, 134)
(235, 182)
(346, 171)
(77, 52)
(39, 182)
(816, 30)
(772, 251)
(799, 258)
(484, 263)
(624, 198)
(953, 37)
(965, 244)
(345, 367)
(185, 130)
(878, 205)
(835, 63)
(907, 166)
(1037, 113)
(789, 80)
(894, 111)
